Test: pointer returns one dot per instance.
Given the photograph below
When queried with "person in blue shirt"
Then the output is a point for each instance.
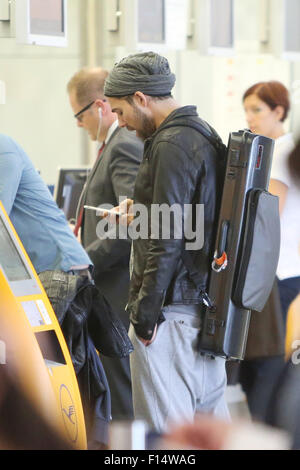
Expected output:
(52, 246)
(40, 224)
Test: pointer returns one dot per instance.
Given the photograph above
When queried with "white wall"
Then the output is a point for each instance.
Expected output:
(216, 84)
(37, 113)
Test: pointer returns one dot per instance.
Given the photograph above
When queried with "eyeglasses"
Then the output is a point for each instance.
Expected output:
(78, 115)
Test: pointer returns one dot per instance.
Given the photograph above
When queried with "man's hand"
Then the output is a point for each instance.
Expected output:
(147, 342)
(206, 432)
(124, 213)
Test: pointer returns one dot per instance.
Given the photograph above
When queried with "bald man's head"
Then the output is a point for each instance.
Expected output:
(88, 84)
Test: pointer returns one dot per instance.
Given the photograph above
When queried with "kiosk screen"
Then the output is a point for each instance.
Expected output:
(10, 260)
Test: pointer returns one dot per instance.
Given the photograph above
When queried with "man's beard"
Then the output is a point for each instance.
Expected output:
(146, 126)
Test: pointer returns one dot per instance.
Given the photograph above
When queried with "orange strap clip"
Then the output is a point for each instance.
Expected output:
(219, 264)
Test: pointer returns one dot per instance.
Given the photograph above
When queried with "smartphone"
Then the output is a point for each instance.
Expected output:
(100, 209)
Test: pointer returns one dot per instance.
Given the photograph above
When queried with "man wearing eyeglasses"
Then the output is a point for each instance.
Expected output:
(117, 160)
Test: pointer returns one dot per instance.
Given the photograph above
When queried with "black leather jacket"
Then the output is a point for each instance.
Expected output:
(179, 167)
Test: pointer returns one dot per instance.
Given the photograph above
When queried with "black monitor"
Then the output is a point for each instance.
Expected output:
(69, 188)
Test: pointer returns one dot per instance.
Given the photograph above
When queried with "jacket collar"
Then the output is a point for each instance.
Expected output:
(185, 111)
(179, 113)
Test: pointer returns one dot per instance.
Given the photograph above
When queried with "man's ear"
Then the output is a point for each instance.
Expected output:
(140, 99)
(101, 104)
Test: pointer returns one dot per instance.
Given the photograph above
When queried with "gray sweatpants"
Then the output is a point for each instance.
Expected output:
(171, 381)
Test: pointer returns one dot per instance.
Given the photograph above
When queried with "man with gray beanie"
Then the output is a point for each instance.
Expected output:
(171, 380)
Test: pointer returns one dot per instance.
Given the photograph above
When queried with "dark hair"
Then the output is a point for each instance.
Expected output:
(129, 98)
(272, 93)
(294, 162)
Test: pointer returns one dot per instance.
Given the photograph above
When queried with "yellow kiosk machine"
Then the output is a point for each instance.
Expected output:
(44, 364)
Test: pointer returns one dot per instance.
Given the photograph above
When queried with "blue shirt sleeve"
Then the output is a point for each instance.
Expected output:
(11, 168)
